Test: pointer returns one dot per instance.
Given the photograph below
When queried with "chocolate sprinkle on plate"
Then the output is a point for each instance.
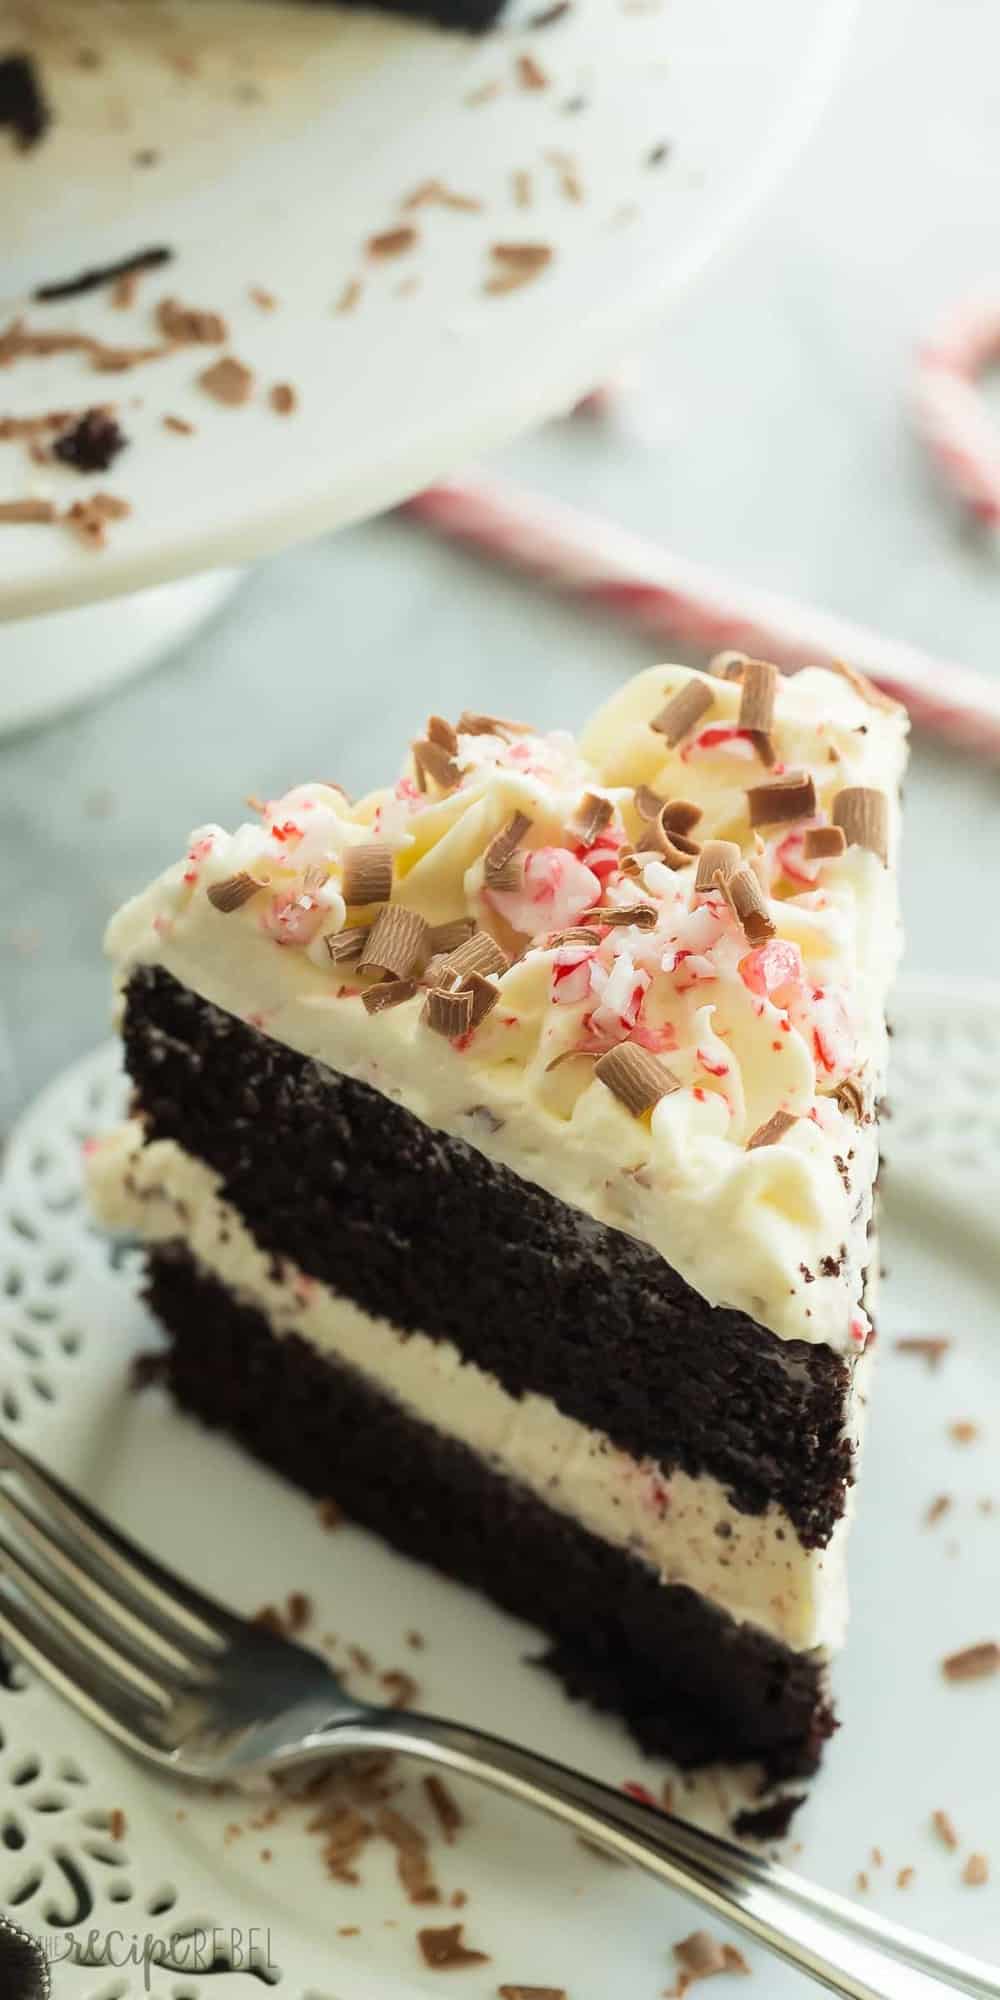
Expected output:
(532, 1993)
(973, 1663)
(26, 513)
(444, 1805)
(229, 381)
(443, 1950)
(102, 274)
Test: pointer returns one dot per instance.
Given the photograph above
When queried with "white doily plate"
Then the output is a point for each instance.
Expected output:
(545, 1910)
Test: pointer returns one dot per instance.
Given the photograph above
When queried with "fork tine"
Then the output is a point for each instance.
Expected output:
(111, 1707)
(49, 1607)
(122, 1620)
(174, 1603)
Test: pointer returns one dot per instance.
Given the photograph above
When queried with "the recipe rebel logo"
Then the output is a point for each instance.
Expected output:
(203, 1949)
(24, 1967)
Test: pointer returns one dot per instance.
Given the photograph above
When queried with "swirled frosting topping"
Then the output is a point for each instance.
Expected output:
(646, 969)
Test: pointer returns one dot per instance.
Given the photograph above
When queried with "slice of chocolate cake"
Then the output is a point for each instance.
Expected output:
(505, 1150)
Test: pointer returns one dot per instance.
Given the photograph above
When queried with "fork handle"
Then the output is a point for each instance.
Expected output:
(799, 1922)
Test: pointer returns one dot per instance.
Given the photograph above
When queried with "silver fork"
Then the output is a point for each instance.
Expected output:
(191, 1688)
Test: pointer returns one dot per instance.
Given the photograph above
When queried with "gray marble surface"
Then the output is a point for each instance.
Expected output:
(767, 435)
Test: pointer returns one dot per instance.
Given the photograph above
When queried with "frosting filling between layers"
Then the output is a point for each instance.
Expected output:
(753, 1566)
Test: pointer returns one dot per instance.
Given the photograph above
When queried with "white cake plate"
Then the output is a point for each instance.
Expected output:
(547, 1912)
(266, 144)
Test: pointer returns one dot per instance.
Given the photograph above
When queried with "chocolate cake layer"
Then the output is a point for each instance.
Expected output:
(419, 1228)
(691, 1682)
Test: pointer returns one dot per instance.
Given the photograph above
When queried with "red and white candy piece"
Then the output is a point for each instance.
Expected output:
(950, 411)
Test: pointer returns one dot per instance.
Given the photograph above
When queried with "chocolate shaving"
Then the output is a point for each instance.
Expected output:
(509, 878)
(396, 945)
(445, 938)
(478, 953)
(190, 325)
(648, 804)
(18, 340)
(677, 850)
(433, 761)
(444, 1951)
(388, 993)
(484, 996)
(756, 716)
(444, 1806)
(976, 1871)
(229, 381)
(773, 1129)
(233, 892)
(91, 443)
(102, 274)
(438, 193)
(443, 733)
(685, 708)
(930, 1346)
(471, 724)
(392, 242)
(570, 1055)
(974, 1663)
(864, 687)
(679, 816)
(448, 1013)
(590, 818)
(700, 1956)
(743, 892)
(717, 857)
(179, 425)
(342, 946)
(850, 1097)
(823, 843)
(368, 873)
(642, 915)
(575, 934)
(502, 848)
(791, 797)
(944, 1827)
(25, 513)
(636, 1078)
(863, 815)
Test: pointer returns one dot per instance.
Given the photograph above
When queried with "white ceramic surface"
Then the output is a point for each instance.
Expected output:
(546, 1911)
(283, 139)
(52, 663)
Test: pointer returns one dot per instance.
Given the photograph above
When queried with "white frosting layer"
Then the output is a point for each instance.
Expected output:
(779, 1231)
(751, 1566)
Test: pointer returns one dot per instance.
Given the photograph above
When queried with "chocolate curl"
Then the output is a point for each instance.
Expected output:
(717, 857)
(233, 892)
(823, 843)
(501, 851)
(448, 1014)
(388, 993)
(636, 1078)
(368, 873)
(760, 687)
(792, 797)
(862, 813)
(771, 1131)
(684, 709)
(742, 891)
(397, 943)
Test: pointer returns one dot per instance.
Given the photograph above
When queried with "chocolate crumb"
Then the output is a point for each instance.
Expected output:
(548, 15)
(18, 513)
(229, 381)
(349, 1930)
(349, 297)
(263, 298)
(532, 1993)
(180, 425)
(905, 1877)
(530, 74)
(944, 1827)
(283, 399)
(190, 325)
(392, 242)
(963, 1431)
(938, 1507)
(517, 264)
(700, 1956)
(89, 518)
(298, 1612)
(412, 1861)
(976, 1871)
(861, 1882)
(973, 1663)
(658, 154)
(102, 274)
(117, 1823)
(416, 1640)
(22, 106)
(92, 442)
(400, 1687)
(331, 1514)
(444, 1951)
